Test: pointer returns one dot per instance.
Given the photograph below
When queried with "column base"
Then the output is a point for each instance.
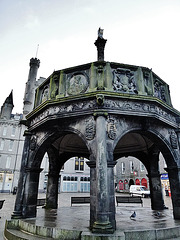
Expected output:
(29, 211)
(16, 215)
(176, 212)
(158, 207)
(102, 227)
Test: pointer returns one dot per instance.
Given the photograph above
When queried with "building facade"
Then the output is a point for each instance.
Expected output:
(131, 171)
(11, 147)
(74, 175)
(12, 131)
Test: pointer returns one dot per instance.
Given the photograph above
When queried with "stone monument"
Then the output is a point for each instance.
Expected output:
(102, 111)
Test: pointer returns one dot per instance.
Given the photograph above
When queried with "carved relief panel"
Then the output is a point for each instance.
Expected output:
(173, 139)
(77, 83)
(123, 81)
(54, 86)
(90, 129)
(45, 93)
(111, 128)
(147, 83)
(159, 90)
(33, 142)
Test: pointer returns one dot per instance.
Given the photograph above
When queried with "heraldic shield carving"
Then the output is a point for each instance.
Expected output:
(124, 81)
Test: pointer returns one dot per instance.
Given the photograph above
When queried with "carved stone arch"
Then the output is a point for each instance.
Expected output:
(82, 136)
(120, 136)
(36, 155)
(155, 135)
(48, 139)
(163, 143)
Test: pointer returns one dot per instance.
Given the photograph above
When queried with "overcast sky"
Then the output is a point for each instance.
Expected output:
(138, 32)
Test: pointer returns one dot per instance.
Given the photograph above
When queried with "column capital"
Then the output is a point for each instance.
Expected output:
(98, 113)
(153, 175)
(111, 164)
(28, 133)
(172, 168)
(53, 174)
(91, 164)
(33, 169)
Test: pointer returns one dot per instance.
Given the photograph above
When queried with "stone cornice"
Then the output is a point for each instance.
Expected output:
(87, 105)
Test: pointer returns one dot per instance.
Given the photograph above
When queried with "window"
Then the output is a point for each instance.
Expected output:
(70, 184)
(8, 162)
(82, 164)
(123, 167)
(13, 131)
(4, 130)
(79, 164)
(131, 167)
(142, 167)
(2, 144)
(76, 163)
(11, 145)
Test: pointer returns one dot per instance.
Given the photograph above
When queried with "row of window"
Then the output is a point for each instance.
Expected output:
(123, 168)
(13, 130)
(11, 143)
(82, 179)
(124, 185)
(74, 187)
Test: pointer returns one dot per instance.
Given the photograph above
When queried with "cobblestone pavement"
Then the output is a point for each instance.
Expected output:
(77, 216)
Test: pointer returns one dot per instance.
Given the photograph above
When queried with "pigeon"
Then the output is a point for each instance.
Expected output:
(157, 214)
(133, 216)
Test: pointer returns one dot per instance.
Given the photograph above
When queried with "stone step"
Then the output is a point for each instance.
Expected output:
(119, 235)
(13, 234)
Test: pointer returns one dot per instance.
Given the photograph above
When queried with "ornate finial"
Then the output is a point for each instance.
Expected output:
(100, 33)
(100, 44)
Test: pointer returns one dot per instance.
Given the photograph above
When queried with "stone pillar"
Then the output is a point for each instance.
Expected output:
(31, 192)
(92, 165)
(111, 191)
(174, 179)
(102, 223)
(22, 178)
(52, 190)
(29, 94)
(157, 201)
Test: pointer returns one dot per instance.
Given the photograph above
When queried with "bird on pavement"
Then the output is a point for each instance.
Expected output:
(156, 214)
(133, 216)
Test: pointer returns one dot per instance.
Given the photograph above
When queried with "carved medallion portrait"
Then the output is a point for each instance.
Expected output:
(77, 83)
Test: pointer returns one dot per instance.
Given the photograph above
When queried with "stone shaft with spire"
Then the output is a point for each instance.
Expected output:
(30, 86)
